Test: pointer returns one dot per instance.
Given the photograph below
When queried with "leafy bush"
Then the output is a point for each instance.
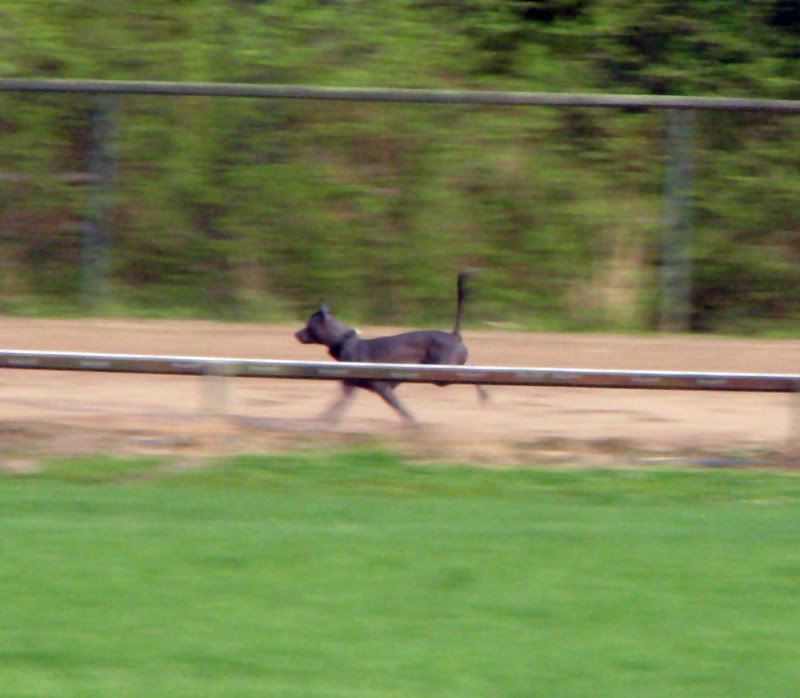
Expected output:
(248, 208)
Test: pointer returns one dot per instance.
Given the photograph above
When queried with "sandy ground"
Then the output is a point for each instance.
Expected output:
(71, 413)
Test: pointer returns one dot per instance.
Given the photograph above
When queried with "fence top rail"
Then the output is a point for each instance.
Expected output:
(421, 96)
(400, 373)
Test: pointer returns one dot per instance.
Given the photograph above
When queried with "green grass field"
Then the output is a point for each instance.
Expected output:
(355, 574)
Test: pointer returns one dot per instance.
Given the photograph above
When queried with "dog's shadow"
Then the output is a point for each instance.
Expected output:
(296, 425)
(278, 424)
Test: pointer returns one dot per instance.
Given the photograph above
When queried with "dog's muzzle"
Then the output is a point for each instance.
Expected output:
(304, 336)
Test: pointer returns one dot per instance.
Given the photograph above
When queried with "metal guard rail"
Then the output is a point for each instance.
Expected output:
(401, 373)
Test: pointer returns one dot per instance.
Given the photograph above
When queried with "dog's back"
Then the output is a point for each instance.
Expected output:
(416, 347)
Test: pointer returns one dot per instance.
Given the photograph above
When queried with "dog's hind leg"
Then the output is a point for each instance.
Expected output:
(334, 413)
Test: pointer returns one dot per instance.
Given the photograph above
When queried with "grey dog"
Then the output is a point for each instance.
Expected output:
(417, 347)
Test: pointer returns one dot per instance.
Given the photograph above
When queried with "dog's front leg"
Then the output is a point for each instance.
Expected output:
(387, 393)
(334, 413)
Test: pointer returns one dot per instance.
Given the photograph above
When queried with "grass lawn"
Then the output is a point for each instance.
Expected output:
(355, 574)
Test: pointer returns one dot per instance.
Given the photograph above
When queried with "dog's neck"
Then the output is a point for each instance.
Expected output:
(336, 348)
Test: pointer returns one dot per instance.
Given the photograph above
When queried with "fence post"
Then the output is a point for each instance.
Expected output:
(215, 389)
(96, 242)
(791, 453)
(677, 236)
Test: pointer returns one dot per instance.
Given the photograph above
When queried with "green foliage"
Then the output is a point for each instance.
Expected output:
(247, 208)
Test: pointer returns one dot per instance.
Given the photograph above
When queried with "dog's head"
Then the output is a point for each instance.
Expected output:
(322, 328)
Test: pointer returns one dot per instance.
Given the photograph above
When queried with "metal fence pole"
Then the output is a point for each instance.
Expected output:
(677, 236)
(97, 236)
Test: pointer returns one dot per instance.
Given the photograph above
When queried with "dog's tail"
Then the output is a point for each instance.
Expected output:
(462, 293)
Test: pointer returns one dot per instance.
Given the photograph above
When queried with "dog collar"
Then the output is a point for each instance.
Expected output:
(336, 349)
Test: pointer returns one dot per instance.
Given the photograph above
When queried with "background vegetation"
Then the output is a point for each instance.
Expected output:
(256, 209)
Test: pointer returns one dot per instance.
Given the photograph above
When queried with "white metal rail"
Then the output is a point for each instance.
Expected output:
(400, 373)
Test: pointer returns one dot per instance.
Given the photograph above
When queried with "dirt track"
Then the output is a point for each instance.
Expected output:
(81, 413)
